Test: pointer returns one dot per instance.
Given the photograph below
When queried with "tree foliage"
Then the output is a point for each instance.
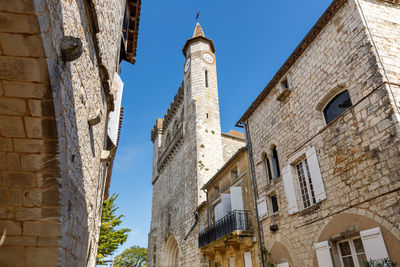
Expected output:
(110, 238)
(134, 256)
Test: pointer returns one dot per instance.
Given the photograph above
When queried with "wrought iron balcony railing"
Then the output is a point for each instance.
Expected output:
(235, 220)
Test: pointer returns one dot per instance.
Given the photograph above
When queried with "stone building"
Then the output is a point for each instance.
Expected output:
(230, 238)
(188, 150)
(324, 136)
(60, 101)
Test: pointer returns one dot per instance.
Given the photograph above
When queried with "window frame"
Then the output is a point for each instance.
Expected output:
(329, 99)
(272, 204)
(353, 251)
(308, 183)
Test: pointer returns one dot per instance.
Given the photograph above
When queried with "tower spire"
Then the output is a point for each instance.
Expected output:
(198, 31)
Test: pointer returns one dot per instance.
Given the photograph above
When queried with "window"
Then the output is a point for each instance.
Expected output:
(274, 202)
(234, 174)
(268, 167)
(306, 186)
(351, 252)
(285, 84)
(206, 77)
(275, 163)
(337, 106)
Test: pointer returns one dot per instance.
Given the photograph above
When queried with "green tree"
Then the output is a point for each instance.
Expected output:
(134, 256)
(110, 238)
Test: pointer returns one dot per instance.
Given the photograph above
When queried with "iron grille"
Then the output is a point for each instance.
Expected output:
(235, 220)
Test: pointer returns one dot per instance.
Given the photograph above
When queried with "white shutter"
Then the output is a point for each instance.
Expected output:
(232, 262)
(218, 211)
(315, 173)
(236, 198)
(284, 264)
(247, 259)
(113, 117)
(373, 243)
(226, 204)
(323, 254)
(262, 207)
(288, 184)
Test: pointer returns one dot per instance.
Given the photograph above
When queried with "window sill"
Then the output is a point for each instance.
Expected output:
(309, 210)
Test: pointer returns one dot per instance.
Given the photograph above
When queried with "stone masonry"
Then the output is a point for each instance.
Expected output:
(354, 47)
(188, 150)
(55, 102)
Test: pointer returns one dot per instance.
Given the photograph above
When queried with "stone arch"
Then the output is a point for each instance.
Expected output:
(362, 219)
(280, 249)
(171, 252)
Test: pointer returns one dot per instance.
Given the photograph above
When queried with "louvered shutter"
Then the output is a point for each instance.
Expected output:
(247, 259)
(113, 117)
(226, 204)
(288, 184)
(323, 252)
(374, 245)
(218, 211)
(262, 207)
(236, 198)
(315, 173)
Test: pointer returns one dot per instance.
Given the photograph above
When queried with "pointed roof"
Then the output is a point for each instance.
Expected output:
(198, 31)
(198, 34)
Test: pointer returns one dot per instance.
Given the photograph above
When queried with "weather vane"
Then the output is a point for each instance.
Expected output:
(197, 16)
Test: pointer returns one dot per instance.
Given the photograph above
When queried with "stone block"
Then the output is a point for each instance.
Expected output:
(12, 227)
(6, 213)
(23, 69)
(12, 256)
(3, 197)
(40, 108)
(5, 144)
(11, 126)
(15, 196)
(19, 23)
(18, 179)
(43, 241)
(41, 229)
(18, 6)
(20, 241)
(42, 257)
(12, 106)
(14, 163)
(33, 214)
(3, 161)
(27, 89)
(29, 145)
(41, 197)
(21, 45)
(40, 128)
(48, 179)
(32, 162)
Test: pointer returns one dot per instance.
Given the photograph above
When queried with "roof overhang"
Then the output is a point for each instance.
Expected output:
(195, 39)
(133, 31)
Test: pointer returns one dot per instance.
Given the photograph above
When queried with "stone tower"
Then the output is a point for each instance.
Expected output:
(188, 150)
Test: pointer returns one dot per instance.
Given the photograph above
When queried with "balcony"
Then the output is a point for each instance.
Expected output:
(237, 220)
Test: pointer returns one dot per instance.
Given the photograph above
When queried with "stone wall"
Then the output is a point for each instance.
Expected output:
(358, 152)
(52, 177)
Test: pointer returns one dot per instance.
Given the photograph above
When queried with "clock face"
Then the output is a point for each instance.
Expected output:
(187, 64)
(208, 58)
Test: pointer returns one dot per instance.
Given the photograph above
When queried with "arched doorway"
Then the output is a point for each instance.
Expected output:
(171, 252)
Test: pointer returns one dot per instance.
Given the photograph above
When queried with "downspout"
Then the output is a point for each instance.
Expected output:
(245, 125)
(208, 218)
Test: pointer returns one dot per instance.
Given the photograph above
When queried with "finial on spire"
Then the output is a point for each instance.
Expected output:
(197, 16)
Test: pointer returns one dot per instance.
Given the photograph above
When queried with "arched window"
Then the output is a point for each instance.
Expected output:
(337, 106)
(275, 163)
(268, 168)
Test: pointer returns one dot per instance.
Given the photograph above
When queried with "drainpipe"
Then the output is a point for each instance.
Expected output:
(253, 179)
(208, 213)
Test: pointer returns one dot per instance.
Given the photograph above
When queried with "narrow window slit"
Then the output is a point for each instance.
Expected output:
(206, 76)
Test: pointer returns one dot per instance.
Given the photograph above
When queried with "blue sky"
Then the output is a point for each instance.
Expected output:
(252, 40)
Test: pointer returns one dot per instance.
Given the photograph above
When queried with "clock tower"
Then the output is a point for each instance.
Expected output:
(201, 100)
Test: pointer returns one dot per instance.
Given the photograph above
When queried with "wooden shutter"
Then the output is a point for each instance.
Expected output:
(315, 173)
(226, 204)
(247, 259)
(374, 245)
(262, 207)
(236, 198)
(323, 252)
(288, 184)
(218, 211)
(113, 117)
(284, 264)
(232, 262)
